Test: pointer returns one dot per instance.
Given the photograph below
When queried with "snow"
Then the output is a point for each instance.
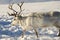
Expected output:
(8, 32)
(33, 7)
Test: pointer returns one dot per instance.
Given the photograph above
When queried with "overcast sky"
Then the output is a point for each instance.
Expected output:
(27, 1)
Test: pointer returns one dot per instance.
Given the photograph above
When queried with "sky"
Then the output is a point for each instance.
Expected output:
(27, 1)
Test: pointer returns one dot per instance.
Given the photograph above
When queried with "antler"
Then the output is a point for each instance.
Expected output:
(20, 6)
(15, 13)
(11, 14)
(10, 7)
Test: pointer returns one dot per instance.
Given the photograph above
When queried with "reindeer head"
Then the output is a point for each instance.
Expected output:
(17, 15)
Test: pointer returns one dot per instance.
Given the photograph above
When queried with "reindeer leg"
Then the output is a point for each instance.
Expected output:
(59, 32)
(23, 33)
(36, 32)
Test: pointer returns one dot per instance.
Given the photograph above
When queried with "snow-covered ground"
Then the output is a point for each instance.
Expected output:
(8, 32)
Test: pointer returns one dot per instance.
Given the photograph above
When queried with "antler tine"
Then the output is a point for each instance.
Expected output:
(11, 14)
(10, 7)
(8, 13)
(20, 6)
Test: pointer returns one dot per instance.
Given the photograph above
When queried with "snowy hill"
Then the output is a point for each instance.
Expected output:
(34, 7)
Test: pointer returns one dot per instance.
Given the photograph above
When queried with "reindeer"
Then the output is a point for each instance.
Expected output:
(33, 20)
(25, 22)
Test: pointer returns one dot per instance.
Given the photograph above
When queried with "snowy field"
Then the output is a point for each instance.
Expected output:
(8, 32)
